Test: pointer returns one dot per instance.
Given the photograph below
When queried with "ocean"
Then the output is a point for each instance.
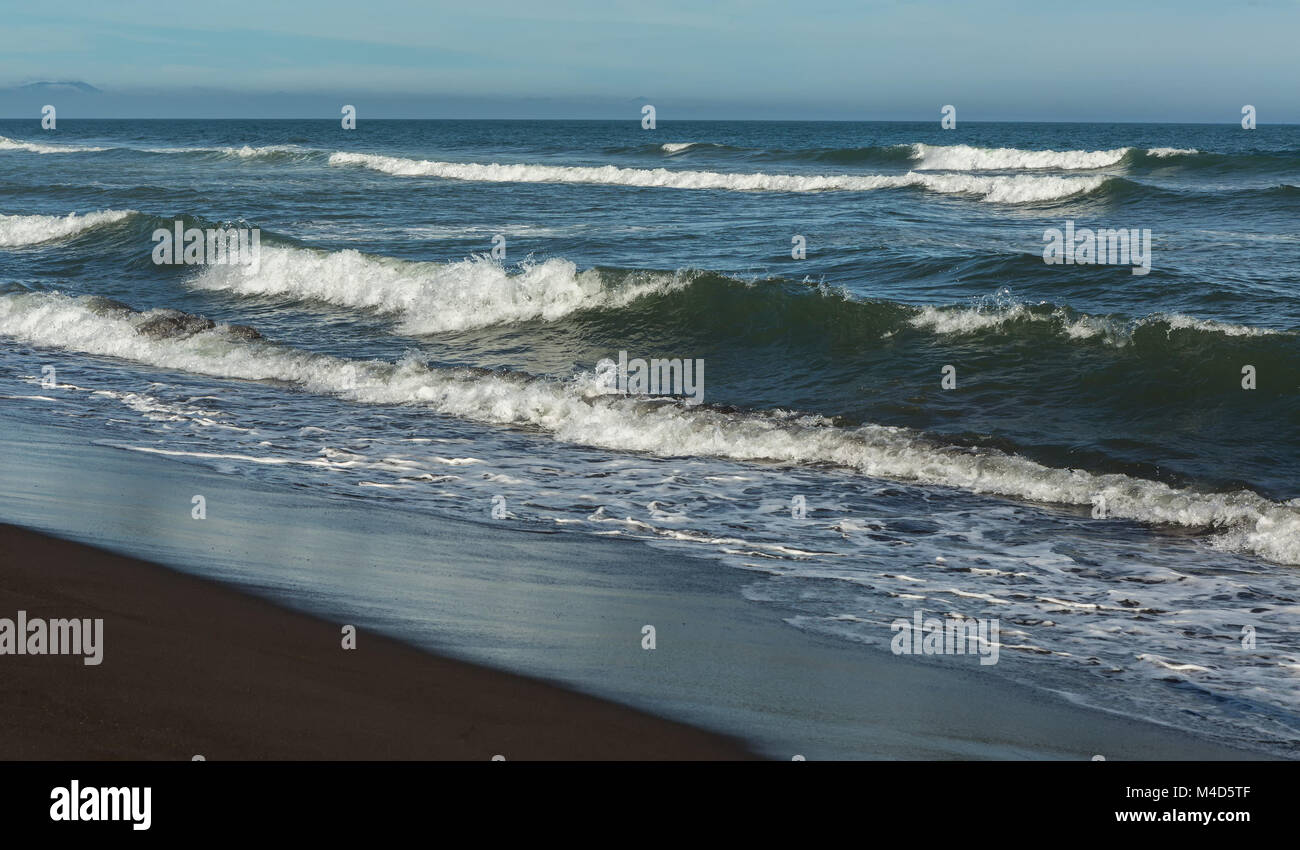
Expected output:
(904, 408)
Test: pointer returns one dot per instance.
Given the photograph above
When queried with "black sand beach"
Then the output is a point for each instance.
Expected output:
(193, 668)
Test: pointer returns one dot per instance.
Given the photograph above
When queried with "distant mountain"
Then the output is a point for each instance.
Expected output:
(58, 86)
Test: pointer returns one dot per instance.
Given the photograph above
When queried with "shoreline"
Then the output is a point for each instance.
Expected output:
(558, 608)
(190, 667)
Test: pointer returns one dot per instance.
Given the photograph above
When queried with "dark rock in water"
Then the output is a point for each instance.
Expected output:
(243, 332)
(101, 306)
(170, 324)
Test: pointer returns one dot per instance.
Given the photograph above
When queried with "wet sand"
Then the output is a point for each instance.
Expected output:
(191, 667)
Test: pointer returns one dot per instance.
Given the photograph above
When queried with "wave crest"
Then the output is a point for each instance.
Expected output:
(19, 230)
(1020, 188)
(969, 158)
(434, 297)
(8, 144)
(980, 318)
(575, 412)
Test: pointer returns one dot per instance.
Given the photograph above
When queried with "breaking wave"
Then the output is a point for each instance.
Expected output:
(7, 144)
(580, 411)
(1020, 188)
(20, 230)
(431, 297)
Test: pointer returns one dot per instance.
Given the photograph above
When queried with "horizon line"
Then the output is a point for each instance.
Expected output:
(37, 119)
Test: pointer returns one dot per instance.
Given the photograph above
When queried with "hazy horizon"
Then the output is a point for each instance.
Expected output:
(1167, 62)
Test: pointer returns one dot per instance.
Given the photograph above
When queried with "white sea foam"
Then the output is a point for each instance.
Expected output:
(1178, 321)
(247, 152)
(17, 230)
(1119, 331)
(434, 297)
(968, 158)
(7, 144)
(1019, 188)
(244, 152)
(965, 320)
(578, 412)
(679, 147)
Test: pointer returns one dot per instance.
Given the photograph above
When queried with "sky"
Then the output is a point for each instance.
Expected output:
(996, 60)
